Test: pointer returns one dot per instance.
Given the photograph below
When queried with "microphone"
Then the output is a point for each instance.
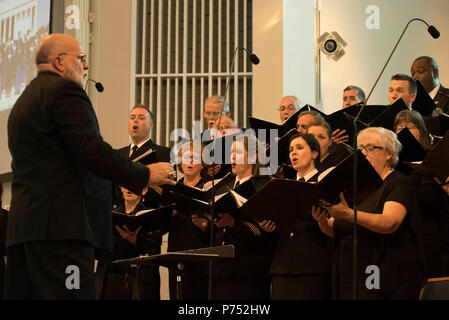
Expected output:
(98, 85)
(252, 57)
(435, 34)
(254, 60)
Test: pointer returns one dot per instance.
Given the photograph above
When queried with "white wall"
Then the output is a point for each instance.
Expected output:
(268, 80)
(366, 50)
(299, 50)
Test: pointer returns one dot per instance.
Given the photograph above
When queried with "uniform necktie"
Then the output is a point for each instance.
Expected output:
(133, 153)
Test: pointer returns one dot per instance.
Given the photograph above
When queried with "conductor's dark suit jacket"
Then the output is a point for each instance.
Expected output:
(62, 167)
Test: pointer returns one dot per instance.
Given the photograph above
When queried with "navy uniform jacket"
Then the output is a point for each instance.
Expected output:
(62, 167)
(156, 195)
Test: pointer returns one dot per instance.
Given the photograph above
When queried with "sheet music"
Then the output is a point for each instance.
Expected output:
(238, 198)
(143, 211)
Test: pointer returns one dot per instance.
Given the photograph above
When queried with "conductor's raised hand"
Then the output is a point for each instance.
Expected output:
(161, 173)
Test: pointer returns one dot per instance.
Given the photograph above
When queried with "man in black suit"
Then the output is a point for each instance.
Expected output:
(140, 123)
(426, 70)
(61, 206)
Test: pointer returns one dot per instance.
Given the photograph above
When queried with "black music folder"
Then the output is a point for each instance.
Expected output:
(411, 148)
(436, 160)
(386, 118)
(291, 122)
(369, 113)
(283, 147)
(228, 201)
(343, 120)
(220, 152)
(340, 179)
(281, 199)
(149, 219)
(444, 123)
(423, 102)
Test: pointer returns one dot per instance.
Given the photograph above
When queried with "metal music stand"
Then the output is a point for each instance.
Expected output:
(175, 260)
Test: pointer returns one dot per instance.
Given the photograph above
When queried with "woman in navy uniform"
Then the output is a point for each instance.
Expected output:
(247, 275)
(301, 269)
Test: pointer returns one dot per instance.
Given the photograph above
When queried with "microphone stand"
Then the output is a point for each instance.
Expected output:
(355, 154)
(212, 212)
(255, 60)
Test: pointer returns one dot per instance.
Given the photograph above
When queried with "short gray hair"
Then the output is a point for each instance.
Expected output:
(386, 139)
(294, 98)
(219, 99)
(360, 92)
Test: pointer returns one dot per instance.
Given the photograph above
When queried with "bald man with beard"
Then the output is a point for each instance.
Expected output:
(60, 213)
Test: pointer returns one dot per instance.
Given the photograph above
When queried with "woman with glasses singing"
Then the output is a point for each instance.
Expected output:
(433, 202)
(388, 264)
(183, 234)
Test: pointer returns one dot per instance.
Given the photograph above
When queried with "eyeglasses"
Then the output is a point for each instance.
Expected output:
(369, 148)
(81, 57)
(289, 107)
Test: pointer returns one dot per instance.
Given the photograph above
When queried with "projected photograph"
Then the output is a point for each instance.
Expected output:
(22, 24)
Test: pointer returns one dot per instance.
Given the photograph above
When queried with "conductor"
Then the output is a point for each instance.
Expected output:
(61, 206)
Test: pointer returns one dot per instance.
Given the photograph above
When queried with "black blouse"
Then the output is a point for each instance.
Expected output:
(397, 255)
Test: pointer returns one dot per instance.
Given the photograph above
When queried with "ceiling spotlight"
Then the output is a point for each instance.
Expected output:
(331, 44)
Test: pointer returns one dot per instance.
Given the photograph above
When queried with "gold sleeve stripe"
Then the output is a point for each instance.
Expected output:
(157, 189)
(253, 228)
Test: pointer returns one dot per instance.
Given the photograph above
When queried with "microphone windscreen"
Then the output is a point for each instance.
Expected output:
(99, 87)
(434, 32)
(253, 58)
